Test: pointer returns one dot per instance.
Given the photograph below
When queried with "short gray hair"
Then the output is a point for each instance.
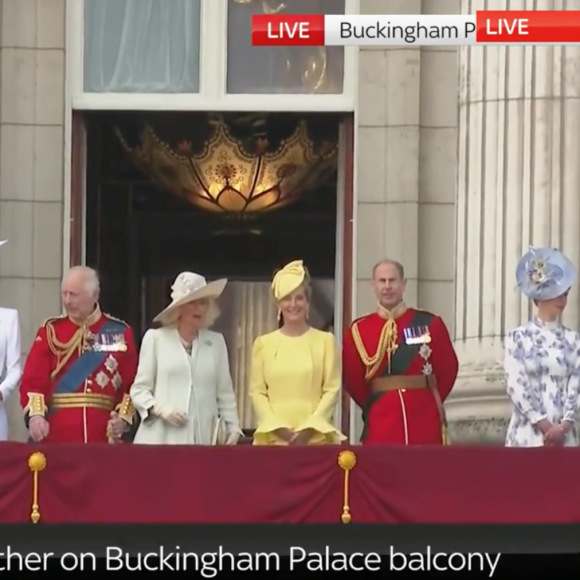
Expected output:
(387, 262)
(90, 278)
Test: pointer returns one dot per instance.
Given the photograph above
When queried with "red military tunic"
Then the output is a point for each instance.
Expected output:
(399, 367)
(75, 376)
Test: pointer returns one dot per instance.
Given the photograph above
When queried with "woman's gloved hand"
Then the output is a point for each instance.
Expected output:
(233, 438)
(169, 415)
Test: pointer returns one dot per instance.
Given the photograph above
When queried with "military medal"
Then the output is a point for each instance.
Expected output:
(417, 335)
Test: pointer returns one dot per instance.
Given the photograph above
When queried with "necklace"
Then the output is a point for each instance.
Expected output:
(188, 346)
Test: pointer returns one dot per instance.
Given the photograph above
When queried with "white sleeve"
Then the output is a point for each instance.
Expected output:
(520, 386)
(143, 387)
(13, 353)
(226, 397)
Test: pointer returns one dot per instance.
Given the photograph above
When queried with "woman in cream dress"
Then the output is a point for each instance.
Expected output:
(183, 389)
(295, 377)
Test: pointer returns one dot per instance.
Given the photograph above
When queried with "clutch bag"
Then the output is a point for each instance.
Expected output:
(220, 434)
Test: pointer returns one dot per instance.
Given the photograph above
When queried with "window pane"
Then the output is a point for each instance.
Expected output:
(141, 46)
(280, 69)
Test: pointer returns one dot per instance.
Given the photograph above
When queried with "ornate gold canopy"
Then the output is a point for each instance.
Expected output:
(226, 178)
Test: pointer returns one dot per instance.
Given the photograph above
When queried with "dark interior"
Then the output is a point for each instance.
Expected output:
(137, 232)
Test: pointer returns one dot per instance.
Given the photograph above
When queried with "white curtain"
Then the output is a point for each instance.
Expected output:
(247, 311)
(141, 46)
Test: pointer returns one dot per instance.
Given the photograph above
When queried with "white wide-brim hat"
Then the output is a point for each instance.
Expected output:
(188, 287)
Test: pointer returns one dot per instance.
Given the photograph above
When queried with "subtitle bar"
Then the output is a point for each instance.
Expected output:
(507, 27)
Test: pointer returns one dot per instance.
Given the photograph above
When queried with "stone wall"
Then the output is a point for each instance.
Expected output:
(406, 163)
(32, 80)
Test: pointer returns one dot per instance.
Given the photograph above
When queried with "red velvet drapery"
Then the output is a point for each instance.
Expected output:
(149, 484)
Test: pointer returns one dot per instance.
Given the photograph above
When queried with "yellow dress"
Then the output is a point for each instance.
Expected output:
(295, 383)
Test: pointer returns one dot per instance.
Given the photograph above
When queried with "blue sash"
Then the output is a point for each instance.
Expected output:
(84, 366)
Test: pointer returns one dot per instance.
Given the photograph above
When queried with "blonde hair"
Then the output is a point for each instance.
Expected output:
(211, 315)
(304, 287)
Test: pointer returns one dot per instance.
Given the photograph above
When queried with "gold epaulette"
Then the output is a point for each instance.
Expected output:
(426, 311)
(367, 359)
(52, 319)
(106, 315)
(359, 319)
(62, 350)
(387, 345)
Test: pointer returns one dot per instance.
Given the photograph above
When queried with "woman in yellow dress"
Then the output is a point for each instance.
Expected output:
(295, 377)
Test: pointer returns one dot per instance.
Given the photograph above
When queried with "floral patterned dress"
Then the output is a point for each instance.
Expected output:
(542, 370)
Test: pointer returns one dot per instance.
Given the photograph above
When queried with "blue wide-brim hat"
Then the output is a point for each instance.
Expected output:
(545, 273)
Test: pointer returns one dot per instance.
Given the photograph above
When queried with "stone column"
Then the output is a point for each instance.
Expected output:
(518, 185)
(405, 165)
(438, 172)
(32, 76)
(387, 161)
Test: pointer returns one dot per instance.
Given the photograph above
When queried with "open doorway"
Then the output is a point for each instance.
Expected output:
(145, 220)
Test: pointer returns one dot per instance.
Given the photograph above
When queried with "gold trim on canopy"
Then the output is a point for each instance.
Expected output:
(225, 178)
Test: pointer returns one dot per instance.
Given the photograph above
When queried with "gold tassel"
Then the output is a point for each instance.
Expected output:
(36, 464)
(445, 437)
(346, 461)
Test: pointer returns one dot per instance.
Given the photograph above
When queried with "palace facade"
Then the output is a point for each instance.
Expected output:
(453, 160)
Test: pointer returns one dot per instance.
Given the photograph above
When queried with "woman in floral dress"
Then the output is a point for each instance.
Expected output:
(542, 357)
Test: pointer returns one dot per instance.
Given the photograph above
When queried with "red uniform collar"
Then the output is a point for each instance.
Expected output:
(396, 312)
(93, 318)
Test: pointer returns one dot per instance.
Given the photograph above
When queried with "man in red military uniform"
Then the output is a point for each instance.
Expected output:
(79, 370)
(399, 366)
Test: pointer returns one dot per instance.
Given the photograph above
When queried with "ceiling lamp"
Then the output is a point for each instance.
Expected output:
(228, 179)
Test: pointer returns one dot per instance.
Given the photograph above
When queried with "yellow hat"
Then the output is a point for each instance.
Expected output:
(288, 279)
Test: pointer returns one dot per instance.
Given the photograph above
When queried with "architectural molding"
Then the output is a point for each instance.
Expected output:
(479, 394)
(478, 432)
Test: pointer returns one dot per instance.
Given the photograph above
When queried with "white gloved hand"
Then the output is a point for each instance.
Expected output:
(169, 415)
(233, 438)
